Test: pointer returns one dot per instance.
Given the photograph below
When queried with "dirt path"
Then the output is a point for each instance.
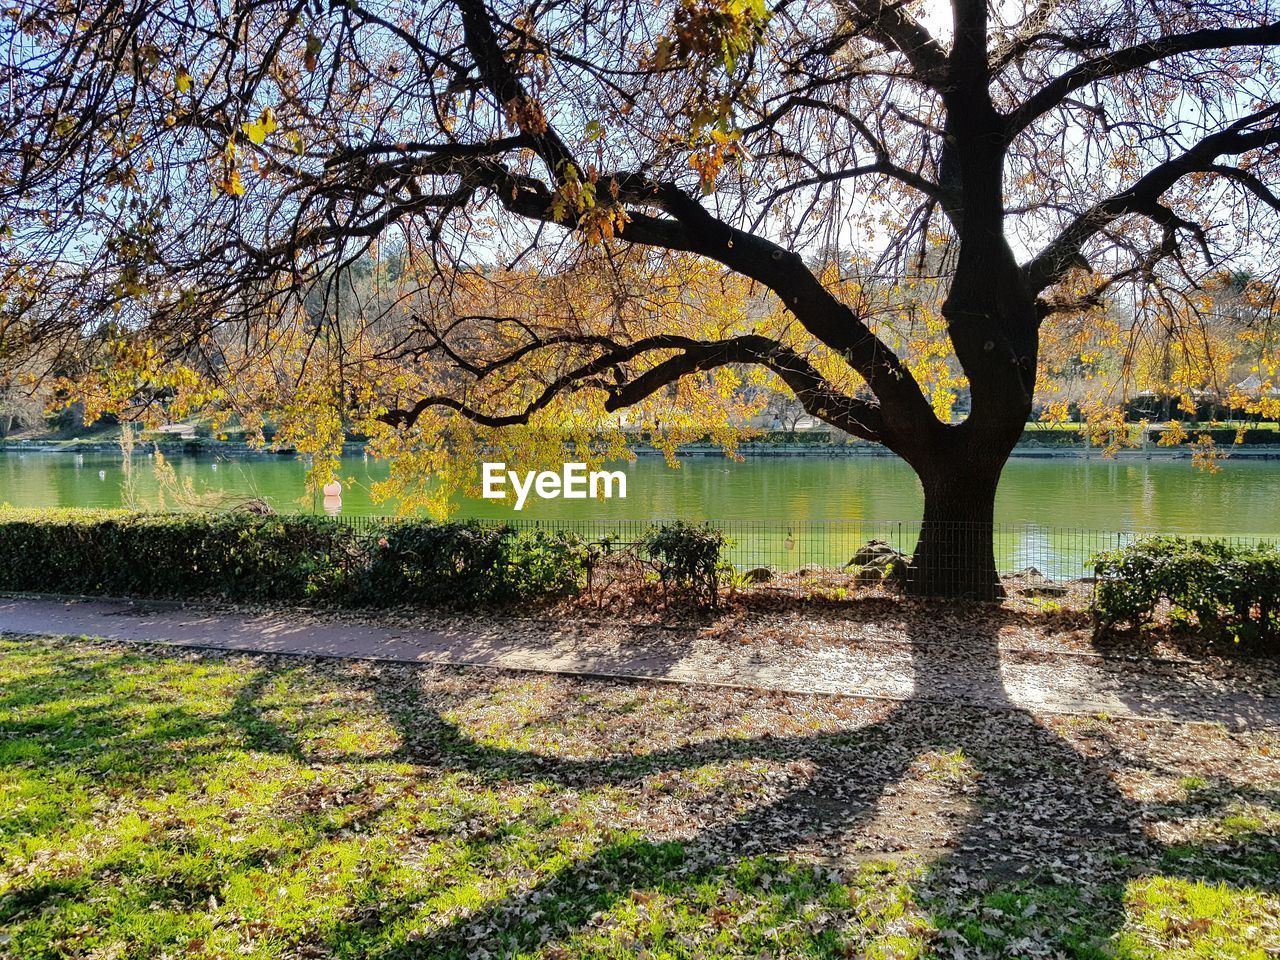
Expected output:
(1239, 694)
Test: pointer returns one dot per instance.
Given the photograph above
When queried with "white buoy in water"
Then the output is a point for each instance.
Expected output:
(102, 474)
(332, 498)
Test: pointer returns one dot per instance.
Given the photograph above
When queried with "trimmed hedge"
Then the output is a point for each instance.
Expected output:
(1230, 590)
(1223, 436)
(290, 559)
(1053, 437)
(1226, 436)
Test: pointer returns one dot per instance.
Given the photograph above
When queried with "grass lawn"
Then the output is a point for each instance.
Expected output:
(155, 803)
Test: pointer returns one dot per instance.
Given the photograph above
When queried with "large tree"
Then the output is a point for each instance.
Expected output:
(189, 169)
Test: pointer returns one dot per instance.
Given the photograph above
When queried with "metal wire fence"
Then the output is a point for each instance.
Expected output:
(1060, 553)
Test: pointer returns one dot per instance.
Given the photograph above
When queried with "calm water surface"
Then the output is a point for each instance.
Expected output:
(1118, 495)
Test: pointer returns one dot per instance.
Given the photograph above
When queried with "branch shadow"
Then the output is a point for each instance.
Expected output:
(988, 798)
(1041, 824)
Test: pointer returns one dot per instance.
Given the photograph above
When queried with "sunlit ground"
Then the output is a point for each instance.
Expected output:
(161, 804)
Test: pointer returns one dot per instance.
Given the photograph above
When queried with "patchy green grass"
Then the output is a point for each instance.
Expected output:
(156, 803)
(950, 765)
(1182, 918)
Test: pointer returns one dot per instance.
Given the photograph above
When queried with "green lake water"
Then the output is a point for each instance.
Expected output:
(780, 507)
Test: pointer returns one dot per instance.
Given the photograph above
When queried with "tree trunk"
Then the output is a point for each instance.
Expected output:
(955, 555)
(993, 323)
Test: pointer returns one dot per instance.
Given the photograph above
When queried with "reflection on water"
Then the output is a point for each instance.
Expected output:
(1143, 496)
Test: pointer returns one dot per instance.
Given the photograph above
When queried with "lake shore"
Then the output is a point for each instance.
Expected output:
(1024, 450)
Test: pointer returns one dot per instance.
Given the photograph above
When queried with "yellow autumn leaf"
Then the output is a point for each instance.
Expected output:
(184, 80)
(258, 131)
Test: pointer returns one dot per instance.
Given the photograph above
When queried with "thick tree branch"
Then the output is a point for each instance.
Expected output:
(1142, 198)
(892, 26)
(690, 227)
(1131, 58)
(503, 82)
(969, 65)
(431, 158)
(1249, 181)
(859, 417)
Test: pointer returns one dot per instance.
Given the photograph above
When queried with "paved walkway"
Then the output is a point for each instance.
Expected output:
(1238, 693)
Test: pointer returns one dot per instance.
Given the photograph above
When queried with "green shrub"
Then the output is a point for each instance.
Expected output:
(292, 559)
(467, 564)
(688, 556)
(434, 563)
(1230, 590)
(548, 562)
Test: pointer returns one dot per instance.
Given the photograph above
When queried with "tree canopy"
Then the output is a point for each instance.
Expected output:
(602, 207)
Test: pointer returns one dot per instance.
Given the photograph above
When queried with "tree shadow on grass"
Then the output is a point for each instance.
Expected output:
(1019, 833)
(1023, 837)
